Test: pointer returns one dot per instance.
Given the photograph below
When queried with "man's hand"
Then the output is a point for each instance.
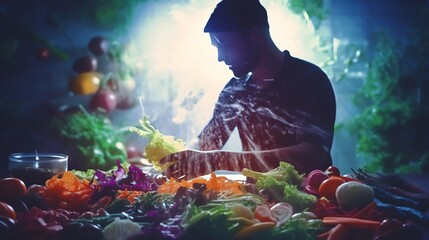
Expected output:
(188, 164)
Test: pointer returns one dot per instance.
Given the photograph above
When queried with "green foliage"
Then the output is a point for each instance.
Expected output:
(110, 13)
(93, 138)
(313, 8)
(391, 136)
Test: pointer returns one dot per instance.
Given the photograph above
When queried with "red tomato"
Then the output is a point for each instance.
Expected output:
(332, 171)
(104, 100)
(35, 189)
(12, 189)
(7, 211)
(133, 152)
(328, 187)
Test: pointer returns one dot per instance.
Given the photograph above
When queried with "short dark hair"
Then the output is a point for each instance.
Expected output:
(237, 15)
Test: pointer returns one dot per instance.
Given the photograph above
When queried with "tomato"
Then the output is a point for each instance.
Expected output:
(332, 171)
(43, 53)
(104, 100)
(12, 189)
(85, 83)
(85, 64)
(329, 186)
(35, 189)
(98, 45)
(133, 152)
(7, 211)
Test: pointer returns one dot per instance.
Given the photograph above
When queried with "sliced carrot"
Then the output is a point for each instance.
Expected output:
(215, 183)
(357, 222)
(263, 213)
(215, 186)
(130, 196)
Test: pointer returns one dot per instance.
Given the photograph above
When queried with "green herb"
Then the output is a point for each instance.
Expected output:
(94, 139)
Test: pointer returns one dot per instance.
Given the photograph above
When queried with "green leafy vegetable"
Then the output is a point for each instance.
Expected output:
(285, 172)
(159, 145)
(93, 138)
(296, 229)
(298, 199)
(280, 184)
(208, 223)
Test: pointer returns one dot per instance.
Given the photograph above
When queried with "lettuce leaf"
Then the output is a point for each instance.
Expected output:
(159, 145)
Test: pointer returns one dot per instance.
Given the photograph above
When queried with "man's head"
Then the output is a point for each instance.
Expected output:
(237, 15)
(237, 28)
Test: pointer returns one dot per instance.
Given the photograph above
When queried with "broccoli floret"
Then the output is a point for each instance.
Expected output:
(298, 199)
(281, 185)
(273, 188)
(285, 172)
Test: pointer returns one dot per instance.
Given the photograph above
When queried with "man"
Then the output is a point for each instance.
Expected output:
(283, 107)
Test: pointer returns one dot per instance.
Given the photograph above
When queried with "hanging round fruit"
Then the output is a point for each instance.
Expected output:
(43, 53)
(85, 64)
(98, 45)
(85, 83)
(104, 100)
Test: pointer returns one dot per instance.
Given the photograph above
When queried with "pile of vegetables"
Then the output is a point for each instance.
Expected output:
(126, 203)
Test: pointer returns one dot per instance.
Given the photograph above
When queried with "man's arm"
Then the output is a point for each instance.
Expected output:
(192, 163)
(304, 156)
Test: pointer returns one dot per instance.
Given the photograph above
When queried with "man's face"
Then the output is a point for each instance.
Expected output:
(235, 49)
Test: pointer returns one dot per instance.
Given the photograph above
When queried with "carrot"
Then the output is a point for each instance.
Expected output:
(130, 196)
(263, 213)
(67, 190)
(343, 231)
(357, 222)
(215, 183)
(254, 228)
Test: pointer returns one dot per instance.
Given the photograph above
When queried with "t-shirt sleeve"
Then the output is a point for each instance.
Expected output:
(317, 117)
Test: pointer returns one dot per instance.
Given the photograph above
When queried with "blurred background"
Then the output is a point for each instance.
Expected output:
(75, 75)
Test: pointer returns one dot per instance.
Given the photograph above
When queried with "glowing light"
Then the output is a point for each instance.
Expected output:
(180, 64)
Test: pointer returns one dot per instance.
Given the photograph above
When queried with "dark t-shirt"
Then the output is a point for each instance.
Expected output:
(299, 106)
